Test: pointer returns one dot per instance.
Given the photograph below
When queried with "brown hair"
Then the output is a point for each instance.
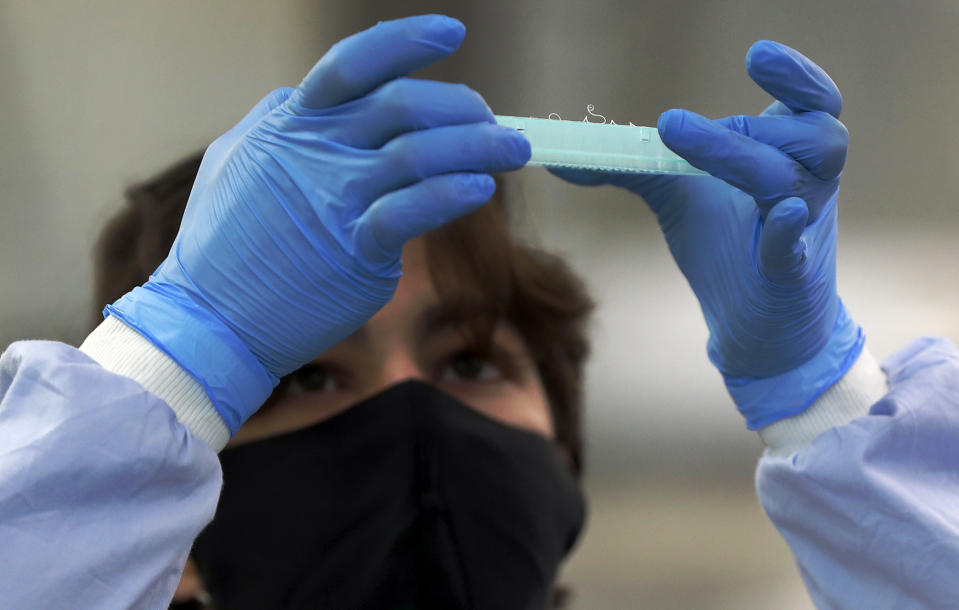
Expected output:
(475, 259)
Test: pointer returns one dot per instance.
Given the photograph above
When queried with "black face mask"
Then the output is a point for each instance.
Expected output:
(410, 499)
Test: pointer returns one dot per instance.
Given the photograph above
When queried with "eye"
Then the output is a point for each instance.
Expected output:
(311, 377)
(470, 366)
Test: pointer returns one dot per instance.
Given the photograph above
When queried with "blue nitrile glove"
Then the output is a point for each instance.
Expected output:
(757, 243)
(292, 236)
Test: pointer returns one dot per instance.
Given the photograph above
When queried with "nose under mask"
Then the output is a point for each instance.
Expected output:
(409, 499)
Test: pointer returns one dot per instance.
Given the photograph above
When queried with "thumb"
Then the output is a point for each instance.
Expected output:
(782, 251)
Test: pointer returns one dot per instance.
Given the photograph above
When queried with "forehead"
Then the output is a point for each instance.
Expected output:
(416, 305)
(416, 284)
(415, 292)
(418, 309)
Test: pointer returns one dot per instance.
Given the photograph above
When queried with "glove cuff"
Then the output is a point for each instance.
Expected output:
(122, 350)
(195, 338)
(763, 401)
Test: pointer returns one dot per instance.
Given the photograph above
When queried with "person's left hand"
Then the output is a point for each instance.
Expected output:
(757, 242)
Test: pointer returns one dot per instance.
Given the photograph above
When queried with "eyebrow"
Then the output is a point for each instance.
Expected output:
(435, 318)
(444, 316)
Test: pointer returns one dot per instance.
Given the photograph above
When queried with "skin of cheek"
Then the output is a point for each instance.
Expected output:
(191, 586)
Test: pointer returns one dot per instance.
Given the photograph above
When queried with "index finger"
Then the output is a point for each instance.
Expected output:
(359, 64)
(761, 170)
(792, 78)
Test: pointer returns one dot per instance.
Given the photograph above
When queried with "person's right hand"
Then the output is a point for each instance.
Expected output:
(292, 236)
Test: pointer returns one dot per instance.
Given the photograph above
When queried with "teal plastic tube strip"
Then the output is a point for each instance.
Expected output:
(604, 147)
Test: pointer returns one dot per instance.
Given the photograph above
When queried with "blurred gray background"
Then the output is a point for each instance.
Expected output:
(97, 95)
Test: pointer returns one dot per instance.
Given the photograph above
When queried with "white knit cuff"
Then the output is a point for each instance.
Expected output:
(850, 397)
(122, 350)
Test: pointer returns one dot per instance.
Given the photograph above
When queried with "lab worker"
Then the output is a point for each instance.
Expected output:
(292, 240)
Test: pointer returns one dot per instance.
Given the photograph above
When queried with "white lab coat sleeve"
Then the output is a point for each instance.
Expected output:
(870, 508)
(102, 489)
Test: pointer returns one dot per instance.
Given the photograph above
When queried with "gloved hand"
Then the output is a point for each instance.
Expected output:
(292, 236)
(757, 242)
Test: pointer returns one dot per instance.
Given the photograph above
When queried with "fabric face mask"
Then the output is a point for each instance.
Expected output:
(409, 499)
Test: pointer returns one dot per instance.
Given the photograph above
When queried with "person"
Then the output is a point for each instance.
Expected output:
(292, 239)
(478, 314)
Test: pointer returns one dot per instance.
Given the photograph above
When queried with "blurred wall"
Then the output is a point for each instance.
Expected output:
(97, 95)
